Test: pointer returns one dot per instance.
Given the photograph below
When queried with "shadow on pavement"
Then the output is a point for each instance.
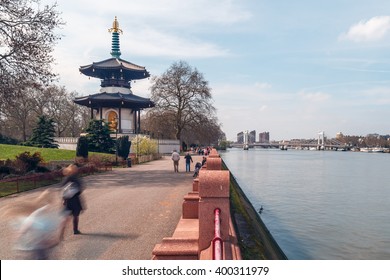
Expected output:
(110, 235)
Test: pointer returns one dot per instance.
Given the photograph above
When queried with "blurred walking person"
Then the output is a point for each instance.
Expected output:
(38, 225)
(71, 195)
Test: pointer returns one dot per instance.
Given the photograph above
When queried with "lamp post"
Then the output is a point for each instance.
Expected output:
(137, 137)
(158, 143)
(116, 142)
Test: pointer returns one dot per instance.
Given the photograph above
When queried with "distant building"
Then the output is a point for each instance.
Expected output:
(252, 137)
(264, 137)
(240, 137)
(339, 135)
(373, 135)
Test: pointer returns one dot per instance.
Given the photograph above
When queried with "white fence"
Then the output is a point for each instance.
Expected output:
(67, 143)
(165, 146)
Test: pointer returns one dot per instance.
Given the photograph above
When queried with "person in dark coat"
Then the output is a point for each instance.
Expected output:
(71, 194)
(188, 162)
(204, 160)
(198, 166)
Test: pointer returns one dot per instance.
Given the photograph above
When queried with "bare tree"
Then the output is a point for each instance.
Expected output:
(69, 117)
(205, 131)
(159, 124)
(18, 113)
(182, 97)
(80, 117)
(57, 107)
(27, 39)
(57, 103)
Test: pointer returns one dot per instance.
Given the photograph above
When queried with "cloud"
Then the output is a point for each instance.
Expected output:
(177, 14)
(373, 29)
(155, 30)
(314, 96)
(263, 85)
(377, 95)
(263, 108)
(152, 42)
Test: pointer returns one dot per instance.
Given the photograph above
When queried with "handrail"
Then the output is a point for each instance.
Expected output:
(35, 180)
(217, 240)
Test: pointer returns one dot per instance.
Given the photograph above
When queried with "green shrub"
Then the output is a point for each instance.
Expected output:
(143, 145)
(42, 169)
(30, 161)
(82, 147)
(101, 160)
(8, 140)
(123, 146)
(6, 169)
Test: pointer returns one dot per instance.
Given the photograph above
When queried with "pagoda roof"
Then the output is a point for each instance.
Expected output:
(103, 69)
(123, 100)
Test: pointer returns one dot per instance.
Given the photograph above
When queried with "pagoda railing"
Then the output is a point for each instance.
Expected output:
(115, 83)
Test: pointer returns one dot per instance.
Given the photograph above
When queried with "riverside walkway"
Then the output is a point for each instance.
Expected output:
(129, 211)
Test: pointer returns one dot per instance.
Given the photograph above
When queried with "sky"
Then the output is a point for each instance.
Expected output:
(291, 68)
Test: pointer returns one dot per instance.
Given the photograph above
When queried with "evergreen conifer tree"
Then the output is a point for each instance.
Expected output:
(43, 134)
(99, 139)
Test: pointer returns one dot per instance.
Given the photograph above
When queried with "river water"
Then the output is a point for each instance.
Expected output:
(321, 205)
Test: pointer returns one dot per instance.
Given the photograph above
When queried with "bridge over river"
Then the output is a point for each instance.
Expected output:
(319, 144)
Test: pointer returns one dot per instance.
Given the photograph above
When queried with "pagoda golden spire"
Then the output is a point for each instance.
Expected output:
(115, 27)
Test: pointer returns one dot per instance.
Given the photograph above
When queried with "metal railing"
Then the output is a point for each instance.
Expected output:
(217, 240)
(32, 181)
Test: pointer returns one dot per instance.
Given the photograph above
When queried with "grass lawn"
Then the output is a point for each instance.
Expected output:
(11, 151)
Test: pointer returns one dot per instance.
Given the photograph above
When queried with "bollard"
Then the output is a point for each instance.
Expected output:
(213, 154)
(214, 163)
(213, 193)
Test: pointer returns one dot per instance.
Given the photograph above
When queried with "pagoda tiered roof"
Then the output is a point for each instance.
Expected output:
(115, 100)
(118, 67)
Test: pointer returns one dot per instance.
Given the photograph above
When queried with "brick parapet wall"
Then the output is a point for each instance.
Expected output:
(194, 233)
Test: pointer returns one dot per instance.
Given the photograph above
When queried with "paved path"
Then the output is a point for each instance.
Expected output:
(129, 210)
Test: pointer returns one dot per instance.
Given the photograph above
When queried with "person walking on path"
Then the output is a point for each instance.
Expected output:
(175, 158)
(188, 162)
(71, 194)
(36, 225)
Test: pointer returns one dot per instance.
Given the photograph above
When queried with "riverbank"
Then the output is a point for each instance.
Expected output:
(255, 241)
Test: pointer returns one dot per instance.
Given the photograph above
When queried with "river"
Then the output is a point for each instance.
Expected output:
(321, 205)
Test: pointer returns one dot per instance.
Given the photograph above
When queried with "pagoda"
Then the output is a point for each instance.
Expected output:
(115, 103)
